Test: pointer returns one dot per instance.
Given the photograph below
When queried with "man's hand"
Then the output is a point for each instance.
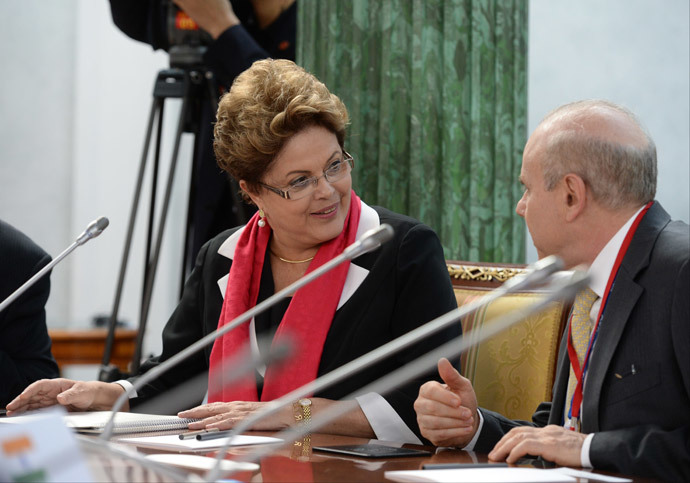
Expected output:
(553, 443)
(213, 16)
(447, 413)
(74, 395)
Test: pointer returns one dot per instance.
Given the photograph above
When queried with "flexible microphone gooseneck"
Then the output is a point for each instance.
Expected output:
(94, 229)
(558, 289)
(534, 275)
(369, 241)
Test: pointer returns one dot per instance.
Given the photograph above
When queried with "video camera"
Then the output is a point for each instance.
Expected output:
(187, 42)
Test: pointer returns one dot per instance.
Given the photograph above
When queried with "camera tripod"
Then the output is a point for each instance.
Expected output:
(194, 85)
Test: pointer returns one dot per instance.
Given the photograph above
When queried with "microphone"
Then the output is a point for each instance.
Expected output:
(535, 274)
(558, 289)
(370, 241)
(92, 231)
(379, 235)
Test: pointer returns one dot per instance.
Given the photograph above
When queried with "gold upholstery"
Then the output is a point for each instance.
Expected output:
(513, 371)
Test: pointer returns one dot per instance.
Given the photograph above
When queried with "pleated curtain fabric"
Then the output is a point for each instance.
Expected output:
(437, 94)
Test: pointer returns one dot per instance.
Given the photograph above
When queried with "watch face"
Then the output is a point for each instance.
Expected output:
(305, 402)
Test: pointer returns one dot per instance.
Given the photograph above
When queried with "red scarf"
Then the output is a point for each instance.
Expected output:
(306, 321)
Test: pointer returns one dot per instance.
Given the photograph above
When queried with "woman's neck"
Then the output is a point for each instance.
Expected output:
(287, 253)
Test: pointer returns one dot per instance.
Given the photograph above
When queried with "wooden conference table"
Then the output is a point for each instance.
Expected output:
(296, 463)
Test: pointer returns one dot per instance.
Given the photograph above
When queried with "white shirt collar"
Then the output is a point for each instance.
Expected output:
(601, 267)
(368, 219)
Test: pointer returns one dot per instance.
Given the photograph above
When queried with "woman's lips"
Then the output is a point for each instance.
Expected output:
(327, 212)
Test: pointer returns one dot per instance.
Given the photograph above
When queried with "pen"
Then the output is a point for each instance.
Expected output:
(213, 435)
(448, 466)
(191, 434)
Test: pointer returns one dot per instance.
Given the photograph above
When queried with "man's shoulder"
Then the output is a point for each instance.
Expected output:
(659, 243)
(672, 246)
(17, 247)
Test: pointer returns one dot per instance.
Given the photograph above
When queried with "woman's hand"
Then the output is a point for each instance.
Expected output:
(226, 415)
(73, 395)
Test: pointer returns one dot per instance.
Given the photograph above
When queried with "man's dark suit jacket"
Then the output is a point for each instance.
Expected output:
(641, 418)
(24, 342)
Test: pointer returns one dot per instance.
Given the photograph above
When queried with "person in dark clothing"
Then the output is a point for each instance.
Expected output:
(25, 354)
(241, 32)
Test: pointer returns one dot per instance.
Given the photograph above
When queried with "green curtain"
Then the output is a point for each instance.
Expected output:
(437, 95)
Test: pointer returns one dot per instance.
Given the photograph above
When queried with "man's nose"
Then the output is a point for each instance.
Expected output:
(520, 207)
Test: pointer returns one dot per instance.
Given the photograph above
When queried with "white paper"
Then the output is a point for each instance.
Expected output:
(484, 475)
(174, 442)
(198, 462)
(591, 476)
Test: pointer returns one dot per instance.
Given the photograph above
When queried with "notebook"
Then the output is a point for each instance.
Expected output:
(95, 421)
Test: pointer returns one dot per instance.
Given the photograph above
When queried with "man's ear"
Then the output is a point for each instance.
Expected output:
(575, 192)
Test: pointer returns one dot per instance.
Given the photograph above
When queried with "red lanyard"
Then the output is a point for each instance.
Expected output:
(580, 372)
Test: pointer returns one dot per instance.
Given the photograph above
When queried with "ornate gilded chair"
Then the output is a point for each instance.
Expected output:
(513, 371)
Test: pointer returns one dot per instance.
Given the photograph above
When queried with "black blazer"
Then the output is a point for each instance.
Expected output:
(407, 285)
(25, 354)
(641, 419)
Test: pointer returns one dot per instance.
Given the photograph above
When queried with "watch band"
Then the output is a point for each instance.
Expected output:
(301, 409)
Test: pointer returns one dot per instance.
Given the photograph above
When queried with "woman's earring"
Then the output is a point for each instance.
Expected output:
(262, 221)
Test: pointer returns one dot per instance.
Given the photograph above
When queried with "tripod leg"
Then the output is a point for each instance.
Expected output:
(154, 195)
(107, 372)
(187, 255)
(153, 262)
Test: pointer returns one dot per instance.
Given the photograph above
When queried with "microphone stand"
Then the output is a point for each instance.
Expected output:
(92, 231)
(559, 290)
(368, 242)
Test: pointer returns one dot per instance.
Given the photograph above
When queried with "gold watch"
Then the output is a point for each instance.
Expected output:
(301, 409)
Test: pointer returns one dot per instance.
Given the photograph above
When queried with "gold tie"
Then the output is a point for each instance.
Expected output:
(581, 329)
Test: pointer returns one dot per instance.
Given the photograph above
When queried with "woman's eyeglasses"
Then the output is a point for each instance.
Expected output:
(305, 186)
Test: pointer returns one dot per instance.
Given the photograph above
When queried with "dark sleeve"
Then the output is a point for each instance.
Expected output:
(142, 20)
(233, 52)
(650, 450)
(25, 345)
(236, 49)
(424, 293)
(192, 319)
(496, 425)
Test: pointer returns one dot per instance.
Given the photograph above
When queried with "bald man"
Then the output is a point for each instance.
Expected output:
(621, 402)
